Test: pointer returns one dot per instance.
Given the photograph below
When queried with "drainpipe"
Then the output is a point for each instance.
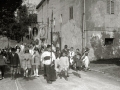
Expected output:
(85, 38)
(83, 31)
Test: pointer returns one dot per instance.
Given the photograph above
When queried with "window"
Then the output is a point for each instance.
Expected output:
(109, 41)
(60, 18)
(71, 12)
(110, 6)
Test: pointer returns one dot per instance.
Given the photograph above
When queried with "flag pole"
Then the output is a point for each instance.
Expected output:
(51, 33)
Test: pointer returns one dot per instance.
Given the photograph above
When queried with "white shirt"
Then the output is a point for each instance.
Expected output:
(86, 60)
(31, 51)
(22, 47)
(71, 53)
(47, 53)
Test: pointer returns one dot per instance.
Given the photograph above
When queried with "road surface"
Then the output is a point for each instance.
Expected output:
(89, 81)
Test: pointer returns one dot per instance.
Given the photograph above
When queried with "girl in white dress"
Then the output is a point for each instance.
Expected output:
(86, 61)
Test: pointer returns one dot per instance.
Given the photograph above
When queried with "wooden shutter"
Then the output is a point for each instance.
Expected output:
(71, 12)
(112, 6)
(108, 6)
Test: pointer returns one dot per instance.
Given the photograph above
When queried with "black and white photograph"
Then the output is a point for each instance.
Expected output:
(59, 44)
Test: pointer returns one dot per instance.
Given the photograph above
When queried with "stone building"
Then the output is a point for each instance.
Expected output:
(84, 23)
(67, 19)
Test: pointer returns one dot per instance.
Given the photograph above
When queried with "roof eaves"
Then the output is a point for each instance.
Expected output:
(39, 5)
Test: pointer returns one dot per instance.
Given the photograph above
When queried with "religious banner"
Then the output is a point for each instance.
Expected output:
(56, 39)
(43, 33)
(35, 31)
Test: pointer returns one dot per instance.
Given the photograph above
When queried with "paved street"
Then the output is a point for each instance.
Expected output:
(89, 81)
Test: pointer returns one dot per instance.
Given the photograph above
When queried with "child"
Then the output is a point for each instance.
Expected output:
(3, 62)
(71, 55)
(14, 62)
(27, 63)
(18, 68)
(57, 54)
(36, 62)
(86, 61)
(78, 63)
(64, 65)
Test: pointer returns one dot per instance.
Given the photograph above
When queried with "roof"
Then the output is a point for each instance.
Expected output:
(39, 5)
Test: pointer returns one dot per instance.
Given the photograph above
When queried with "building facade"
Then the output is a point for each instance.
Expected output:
(84, 23)
(67, 20)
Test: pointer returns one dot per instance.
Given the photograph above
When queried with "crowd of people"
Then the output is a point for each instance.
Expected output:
(28, 60)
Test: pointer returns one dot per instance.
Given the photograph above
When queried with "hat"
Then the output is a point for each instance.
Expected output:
(65, 46)
(26, 50)
(48, 46)
(13, 49)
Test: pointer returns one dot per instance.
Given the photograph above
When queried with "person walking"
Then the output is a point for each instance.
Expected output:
(3, 62)
(66, 50)
(19, 54)
(48, 58)
(14, 62)
(57, 54)
(27, 63)
(64, 65)
(86, 62)
(36, 62)
(77, 63)
(71, 56)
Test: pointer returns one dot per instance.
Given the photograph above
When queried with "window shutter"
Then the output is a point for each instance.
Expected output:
(71, 12)
(112, 7)
(108, 6)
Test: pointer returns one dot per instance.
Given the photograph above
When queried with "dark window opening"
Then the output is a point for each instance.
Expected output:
(71, 12)
(109, 41)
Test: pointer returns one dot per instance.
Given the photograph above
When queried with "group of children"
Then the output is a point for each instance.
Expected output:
(72, 60)
(29, 59)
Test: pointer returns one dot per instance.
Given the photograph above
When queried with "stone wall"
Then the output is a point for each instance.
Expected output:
(98, 20)
(71, 30)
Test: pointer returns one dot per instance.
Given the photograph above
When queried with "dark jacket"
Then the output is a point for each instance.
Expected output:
(2, 61)
(77, 61)
(66, 51)
(14, 60)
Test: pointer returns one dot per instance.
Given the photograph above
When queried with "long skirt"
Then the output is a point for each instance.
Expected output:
(50, 72)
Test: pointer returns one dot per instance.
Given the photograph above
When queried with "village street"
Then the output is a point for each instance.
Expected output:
(91, 80)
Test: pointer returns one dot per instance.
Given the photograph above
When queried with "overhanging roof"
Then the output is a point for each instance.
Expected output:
(39, 5)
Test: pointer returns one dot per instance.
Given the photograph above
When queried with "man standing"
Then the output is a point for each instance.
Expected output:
(48, 58)
(14, 62)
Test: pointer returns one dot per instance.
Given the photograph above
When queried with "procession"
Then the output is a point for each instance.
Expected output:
(28, 60)
(59, 45)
